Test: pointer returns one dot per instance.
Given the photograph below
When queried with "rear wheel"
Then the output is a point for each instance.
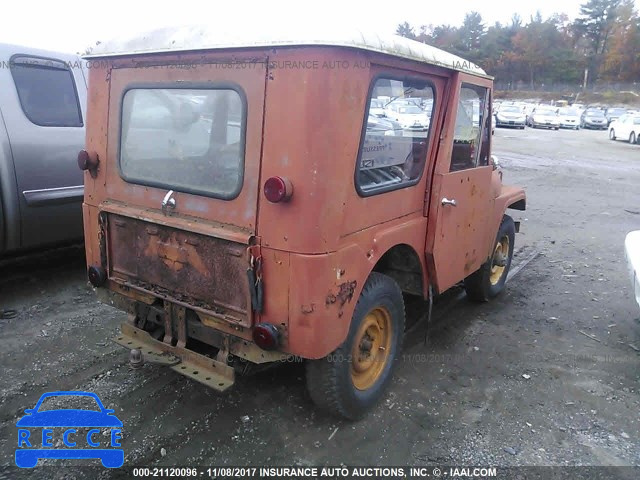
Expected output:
(632, 138)
(489, 280)
(351, 380)
(612, 134)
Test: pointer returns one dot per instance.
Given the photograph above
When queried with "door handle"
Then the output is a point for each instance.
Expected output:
(452, 202)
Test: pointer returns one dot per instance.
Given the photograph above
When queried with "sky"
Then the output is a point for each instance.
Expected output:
(73, 25)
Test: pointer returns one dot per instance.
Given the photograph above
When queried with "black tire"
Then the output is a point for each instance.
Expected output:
(479, 285)
(330, 380)
(612, 134)
(632, 138)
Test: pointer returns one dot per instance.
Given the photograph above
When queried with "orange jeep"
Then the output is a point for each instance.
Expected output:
(250, 200)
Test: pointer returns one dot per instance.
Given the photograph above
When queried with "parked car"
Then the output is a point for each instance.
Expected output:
(43, 99)
(544, 117)
(613, 113)
(384, 126)
(593, 118)
(632, 254)
(305, 248)
(569, 118)
(627, 127)
(409, 115)
(510, 116)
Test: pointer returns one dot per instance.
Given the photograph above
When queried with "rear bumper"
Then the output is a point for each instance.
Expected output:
(213, 373)
(510, 123)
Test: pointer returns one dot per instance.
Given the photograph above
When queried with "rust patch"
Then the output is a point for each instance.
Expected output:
(307, 309)
(200, 271)
(344, 295)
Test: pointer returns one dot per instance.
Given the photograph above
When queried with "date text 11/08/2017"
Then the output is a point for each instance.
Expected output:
(315, 472)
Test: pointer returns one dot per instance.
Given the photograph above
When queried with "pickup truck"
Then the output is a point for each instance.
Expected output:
(43, 98)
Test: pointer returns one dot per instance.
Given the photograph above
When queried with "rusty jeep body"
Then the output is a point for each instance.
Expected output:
(245, 206)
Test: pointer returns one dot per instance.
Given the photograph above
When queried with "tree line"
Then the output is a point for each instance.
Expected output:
(602, 45)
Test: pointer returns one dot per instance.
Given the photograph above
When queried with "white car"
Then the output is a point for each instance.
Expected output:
(510, 116)
(410, 116)
(627, 127)
(544, 117)
(632, 253)
(569, 118)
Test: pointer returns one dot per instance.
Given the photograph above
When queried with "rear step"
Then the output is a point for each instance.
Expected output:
(212, 373)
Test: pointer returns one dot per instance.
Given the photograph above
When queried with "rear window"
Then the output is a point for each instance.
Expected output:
(189, 140)
(47, 92)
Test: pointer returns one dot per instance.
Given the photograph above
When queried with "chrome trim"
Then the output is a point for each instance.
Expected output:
(54, 196)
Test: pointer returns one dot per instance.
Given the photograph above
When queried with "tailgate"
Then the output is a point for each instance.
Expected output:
(182, 181)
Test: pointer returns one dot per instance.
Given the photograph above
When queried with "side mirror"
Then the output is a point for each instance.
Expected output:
(495, 162)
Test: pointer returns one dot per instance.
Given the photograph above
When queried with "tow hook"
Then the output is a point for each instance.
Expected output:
(135, 358)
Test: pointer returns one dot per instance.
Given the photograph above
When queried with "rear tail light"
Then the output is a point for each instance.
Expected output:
(266, 336)
(87, 161)
(278, 189)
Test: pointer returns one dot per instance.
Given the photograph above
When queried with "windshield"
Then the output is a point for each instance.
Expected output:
(545, 111)
(569, 112)
(508, 109)
(184, 139)
(377, 104)
(594, 113)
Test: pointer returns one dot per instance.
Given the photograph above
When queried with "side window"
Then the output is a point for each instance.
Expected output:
(471, 136)
(396, 137)
(47, 92)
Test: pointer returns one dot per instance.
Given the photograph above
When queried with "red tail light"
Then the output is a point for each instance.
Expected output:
(266, 336)
(278, 189)
(87, 161)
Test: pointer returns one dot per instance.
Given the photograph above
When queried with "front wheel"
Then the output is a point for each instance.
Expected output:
(351, 380)
(612, 134)
(632, 138)
(489, 280)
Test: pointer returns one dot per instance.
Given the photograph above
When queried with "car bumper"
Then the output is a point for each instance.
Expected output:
(415, 128)
(545, 124)
(213, 373)
(510, 123)
(600, 126)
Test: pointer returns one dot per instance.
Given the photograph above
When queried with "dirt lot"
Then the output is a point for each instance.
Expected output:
(547, 374)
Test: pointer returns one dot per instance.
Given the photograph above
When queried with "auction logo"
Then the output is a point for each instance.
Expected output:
(57, 431)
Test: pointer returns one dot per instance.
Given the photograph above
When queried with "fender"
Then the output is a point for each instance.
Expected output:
(321, 307)
(508, 197)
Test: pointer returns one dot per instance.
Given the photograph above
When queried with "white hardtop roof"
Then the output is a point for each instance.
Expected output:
(194, 38)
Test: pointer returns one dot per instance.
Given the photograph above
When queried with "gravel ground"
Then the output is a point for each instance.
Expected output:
(547, 374)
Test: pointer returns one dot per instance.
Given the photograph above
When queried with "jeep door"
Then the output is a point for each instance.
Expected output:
(461, 202)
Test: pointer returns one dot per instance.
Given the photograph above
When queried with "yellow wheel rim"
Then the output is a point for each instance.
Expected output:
(499, 260)
(371, 348)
